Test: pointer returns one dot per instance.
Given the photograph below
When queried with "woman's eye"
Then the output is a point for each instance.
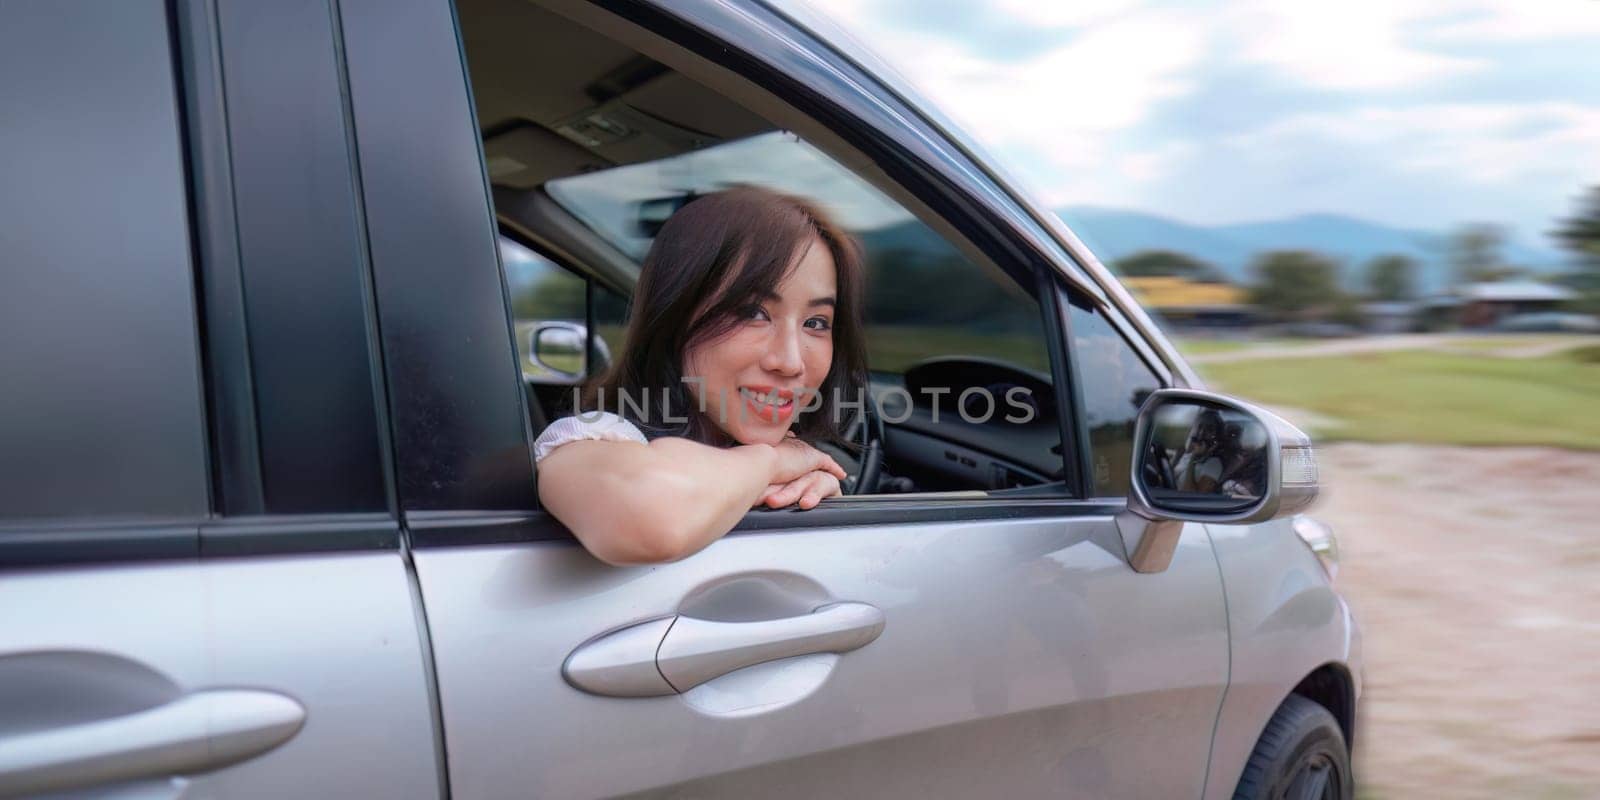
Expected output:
(753, 312)
(819, 324)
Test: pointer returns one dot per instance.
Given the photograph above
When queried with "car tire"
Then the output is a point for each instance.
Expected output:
(1301, 754)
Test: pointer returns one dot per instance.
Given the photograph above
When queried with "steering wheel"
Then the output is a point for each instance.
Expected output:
(867, 428)
(1158, 468)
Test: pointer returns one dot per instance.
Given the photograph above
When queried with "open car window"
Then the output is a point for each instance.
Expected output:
(924, 298)
(942, 333)
(591, 146)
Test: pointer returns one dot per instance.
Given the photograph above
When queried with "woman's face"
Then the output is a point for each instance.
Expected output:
(754, 379)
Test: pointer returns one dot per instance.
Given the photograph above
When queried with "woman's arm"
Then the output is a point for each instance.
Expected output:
(632, 503)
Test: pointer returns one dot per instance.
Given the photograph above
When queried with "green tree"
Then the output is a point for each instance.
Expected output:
(1392, 277)
(1167, 263)
(1296, 284)
(1580, 234)
(1475, 253)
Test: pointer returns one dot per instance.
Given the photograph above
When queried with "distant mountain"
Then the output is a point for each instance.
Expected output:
(1113, 234)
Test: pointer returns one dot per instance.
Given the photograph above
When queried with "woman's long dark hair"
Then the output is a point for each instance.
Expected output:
(713, 258)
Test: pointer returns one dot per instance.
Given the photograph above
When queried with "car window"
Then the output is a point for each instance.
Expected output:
(1114, 383)
(101, 410)
(938, 323)
(593, 155)
(549, 313)
(924, 298)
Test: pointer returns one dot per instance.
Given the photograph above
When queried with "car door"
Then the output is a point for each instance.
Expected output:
(948, 646)
(202, 589)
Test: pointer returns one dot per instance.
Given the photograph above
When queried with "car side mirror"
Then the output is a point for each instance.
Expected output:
(558, 348)
(1204, 457)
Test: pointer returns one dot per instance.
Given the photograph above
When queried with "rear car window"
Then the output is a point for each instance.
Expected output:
(101, 410)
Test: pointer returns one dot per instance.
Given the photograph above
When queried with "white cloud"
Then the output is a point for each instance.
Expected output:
(1063, 109)
(1483, 144)
(1429, 166)
(1365, 46)
(1522, 20)
(1151, 165)
(1063, 14)
(1342, 46)
(1079, 120)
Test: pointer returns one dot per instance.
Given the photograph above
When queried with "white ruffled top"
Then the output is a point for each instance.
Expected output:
(596, 425)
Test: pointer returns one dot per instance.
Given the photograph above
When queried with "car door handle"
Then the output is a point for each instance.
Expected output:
(675, 654)
(198, 732)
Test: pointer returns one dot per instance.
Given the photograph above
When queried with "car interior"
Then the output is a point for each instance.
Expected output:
(567, 114)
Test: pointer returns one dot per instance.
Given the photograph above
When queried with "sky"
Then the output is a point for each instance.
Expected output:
(1423, 114)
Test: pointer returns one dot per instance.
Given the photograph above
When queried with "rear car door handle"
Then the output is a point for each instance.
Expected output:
(198, 732)
(675, 654)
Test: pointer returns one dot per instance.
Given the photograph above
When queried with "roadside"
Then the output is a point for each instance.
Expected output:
(1439, 394)
(1471, 571)
(1204, 351)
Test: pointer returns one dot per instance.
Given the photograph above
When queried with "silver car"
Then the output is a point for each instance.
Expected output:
(289, 288)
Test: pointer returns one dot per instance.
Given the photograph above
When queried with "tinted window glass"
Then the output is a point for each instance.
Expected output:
(101, 411)
(1115, 383)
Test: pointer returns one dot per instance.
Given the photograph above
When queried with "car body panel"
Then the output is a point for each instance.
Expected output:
(334, 633)
(1285, 620)
(1018, 657)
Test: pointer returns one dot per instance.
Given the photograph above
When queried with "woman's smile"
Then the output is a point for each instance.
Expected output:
(772, 405)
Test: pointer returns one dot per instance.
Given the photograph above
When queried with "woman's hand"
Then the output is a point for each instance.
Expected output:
(631, 503)
(797, 460)
(808, 490)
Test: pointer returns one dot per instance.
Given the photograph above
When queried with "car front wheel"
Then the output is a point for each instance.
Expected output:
(1300, 756)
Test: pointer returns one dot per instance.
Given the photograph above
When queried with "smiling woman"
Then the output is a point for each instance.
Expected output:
(744, 341)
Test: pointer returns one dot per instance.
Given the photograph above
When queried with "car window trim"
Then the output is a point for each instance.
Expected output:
(462, 442)
(234, 455)
(59, 542)
(1075, 453)
(441, 529)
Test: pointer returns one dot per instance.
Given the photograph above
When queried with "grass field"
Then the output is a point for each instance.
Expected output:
(1490, 345)
(1201, 347)
(1432, 397)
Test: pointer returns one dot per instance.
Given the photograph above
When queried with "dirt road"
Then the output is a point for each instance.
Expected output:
(1476, 575)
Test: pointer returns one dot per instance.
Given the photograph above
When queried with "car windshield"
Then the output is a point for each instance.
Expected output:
(626, 205)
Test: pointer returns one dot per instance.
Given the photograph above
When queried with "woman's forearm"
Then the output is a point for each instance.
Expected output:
(634, 504)
(712, 488)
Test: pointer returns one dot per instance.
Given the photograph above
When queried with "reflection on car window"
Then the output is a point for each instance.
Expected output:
(924, 298)
(1115, 384)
